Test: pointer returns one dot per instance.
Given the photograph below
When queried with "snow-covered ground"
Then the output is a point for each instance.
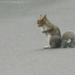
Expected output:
(21, 41)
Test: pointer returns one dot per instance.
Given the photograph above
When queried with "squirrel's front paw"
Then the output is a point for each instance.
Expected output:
(43, 31)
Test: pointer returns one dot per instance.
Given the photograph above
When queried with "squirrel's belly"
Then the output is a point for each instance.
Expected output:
(48, 36)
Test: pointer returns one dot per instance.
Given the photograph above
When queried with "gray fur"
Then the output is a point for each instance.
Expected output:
(55, 42)
(65, 39)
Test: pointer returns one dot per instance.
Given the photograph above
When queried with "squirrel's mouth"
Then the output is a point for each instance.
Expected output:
(39, 25)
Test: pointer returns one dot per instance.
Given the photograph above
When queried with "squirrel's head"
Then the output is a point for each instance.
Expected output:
(41, 20)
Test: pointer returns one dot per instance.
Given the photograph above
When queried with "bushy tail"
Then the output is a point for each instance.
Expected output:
(68, 40)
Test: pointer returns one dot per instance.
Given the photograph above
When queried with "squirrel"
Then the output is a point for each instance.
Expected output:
(68, 40)
(51, 31)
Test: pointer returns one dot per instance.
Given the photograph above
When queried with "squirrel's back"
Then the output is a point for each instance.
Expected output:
(56, 31)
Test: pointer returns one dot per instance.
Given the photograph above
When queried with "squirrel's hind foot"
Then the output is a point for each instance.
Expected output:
(47, 47)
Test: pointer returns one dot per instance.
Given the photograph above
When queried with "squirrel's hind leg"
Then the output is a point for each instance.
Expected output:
(55, 42)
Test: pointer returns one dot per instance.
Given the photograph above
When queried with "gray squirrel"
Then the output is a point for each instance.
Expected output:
(53, 34)
(51, 31)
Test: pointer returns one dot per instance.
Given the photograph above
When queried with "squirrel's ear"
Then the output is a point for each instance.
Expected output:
(45, 16)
